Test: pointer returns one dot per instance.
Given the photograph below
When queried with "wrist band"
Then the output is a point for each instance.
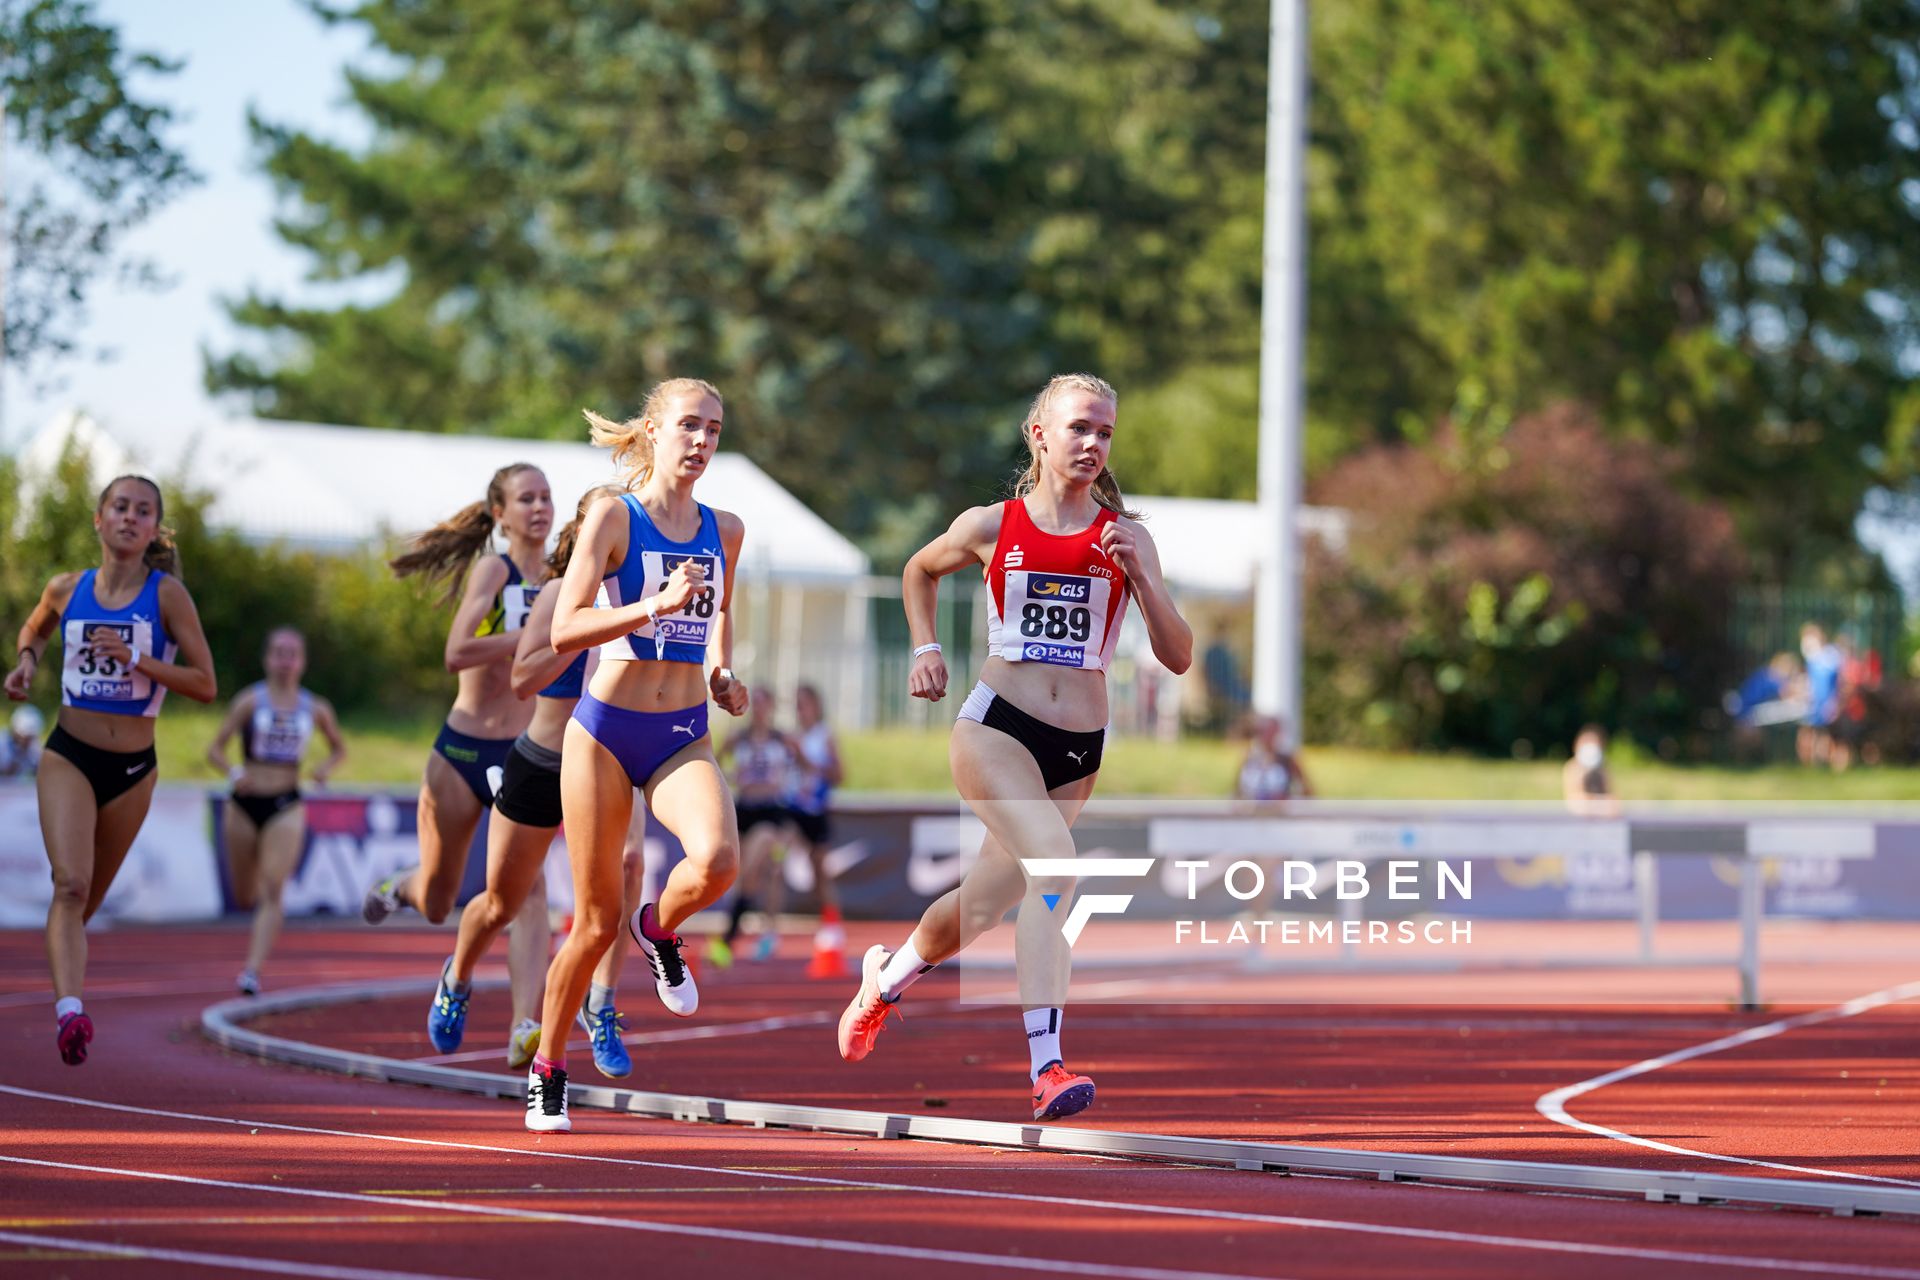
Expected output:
(927, 648)
(725, 673)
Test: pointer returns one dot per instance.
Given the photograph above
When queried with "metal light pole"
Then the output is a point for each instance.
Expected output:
(1276, 610)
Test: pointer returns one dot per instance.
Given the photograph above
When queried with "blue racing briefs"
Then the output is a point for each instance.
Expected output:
(641, 741)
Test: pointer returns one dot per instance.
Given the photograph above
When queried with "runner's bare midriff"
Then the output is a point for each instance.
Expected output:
(649, 686)
(107, 731)
(267, 779)
(549, 725)
(486, 706)
(1065, 697)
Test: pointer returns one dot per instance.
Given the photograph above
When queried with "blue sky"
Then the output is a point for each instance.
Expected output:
(217, 240)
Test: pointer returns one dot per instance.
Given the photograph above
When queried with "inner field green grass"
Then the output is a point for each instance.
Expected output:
(389, 750)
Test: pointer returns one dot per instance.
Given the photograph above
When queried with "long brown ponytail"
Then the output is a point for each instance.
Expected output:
(444, 551)
(632, 450)
(1106, 489)
(161, 553)
(570, 533)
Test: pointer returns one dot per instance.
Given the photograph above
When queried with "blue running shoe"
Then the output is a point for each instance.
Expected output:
(447, 1018)
(609, 1051)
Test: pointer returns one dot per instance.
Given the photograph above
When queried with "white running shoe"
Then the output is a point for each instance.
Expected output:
(671, 978)
(547, 1102)
(383, 896)
(248, 983)
(522, 1044)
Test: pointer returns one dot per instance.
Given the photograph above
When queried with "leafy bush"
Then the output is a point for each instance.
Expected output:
(1502, 587)
(372, 642)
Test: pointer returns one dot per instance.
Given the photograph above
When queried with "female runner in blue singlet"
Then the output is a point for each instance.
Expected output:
(470, 755)
(130, 633)
(266, 823)
(526, 817)
(660, 561)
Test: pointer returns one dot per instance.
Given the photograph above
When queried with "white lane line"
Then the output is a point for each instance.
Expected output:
(788, 1021)
(1018, 1197)
(710, 1031)
(1553, 1105)
(708, 1232)
(819, 1017)
(228, 1261)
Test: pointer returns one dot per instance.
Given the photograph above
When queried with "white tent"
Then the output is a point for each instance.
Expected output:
(341, 488)
(1213, 547)
(805, 596)
(800, 583)
(1212, 552)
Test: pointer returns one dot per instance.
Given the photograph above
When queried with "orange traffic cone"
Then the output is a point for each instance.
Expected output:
(829, 947)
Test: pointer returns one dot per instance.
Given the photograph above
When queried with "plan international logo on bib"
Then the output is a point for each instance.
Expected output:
(1060, 655)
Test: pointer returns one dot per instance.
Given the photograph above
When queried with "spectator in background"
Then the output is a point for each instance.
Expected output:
(1823, 694)
(1859, 676)
(1772, 694)
(1271, 772)
(1766, 684)
(760, 762)
(1585, 782)
(1227, 693)
(20, 749)
(820, 771)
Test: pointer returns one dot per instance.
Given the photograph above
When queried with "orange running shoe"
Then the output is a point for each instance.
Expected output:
(861, 1023)
(1058, 1093)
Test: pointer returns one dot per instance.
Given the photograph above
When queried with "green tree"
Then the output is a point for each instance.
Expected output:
(878, 225)
(104, 167)
(1505, 589)
(373, 643)
(1698, 217)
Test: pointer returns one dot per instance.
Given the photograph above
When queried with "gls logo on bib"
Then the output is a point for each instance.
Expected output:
(1046, 586)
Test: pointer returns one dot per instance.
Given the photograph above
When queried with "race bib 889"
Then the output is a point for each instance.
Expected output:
(1060, 618)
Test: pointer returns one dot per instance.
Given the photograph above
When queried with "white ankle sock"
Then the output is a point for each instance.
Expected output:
(1043, 1037)
(64, 1006)
(902, 969)
(598, 998)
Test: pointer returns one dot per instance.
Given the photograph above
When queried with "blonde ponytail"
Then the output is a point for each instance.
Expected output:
(1106, 489)
(632, 449)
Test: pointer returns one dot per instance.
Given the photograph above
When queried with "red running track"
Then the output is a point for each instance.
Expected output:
(201, 1162)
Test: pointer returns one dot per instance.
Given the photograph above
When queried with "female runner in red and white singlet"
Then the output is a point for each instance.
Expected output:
(1062, 559)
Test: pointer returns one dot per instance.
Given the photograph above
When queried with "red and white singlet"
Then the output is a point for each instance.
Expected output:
(1053, 597)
